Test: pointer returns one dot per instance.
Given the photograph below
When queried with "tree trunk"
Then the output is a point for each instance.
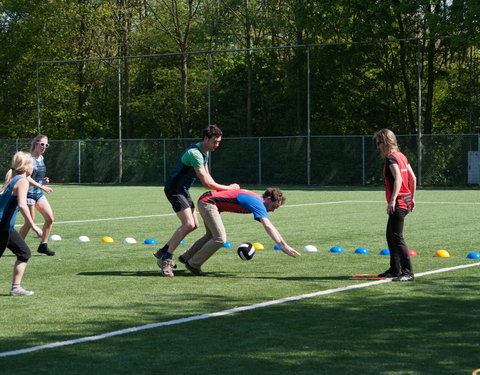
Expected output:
(301, 77)
(431, 51)
(248, 61)
(184, 121)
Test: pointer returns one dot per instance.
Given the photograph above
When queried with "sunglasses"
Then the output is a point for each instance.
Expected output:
(46, 145)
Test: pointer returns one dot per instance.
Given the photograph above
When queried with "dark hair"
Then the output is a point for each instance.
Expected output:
(212, 131)
(275, 195)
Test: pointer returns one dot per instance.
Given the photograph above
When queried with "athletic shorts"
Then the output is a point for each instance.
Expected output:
(16, 244)
(33, 198)
(179, 200)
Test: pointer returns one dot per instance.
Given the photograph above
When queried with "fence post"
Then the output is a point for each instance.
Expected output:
(259, 160)
(309, 150)
(419, 114)
(79, 165)
(164, 161)
(363, 160)
(209, 89)
(120, 151)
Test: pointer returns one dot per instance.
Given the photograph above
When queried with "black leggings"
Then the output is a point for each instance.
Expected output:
(16, 244)
(399, 258)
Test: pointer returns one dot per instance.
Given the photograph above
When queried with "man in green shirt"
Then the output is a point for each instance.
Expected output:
(192, 164)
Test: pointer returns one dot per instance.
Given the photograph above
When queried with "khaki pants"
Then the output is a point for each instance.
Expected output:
(213, 239)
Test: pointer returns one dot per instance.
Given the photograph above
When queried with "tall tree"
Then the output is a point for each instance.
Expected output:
(176, 19)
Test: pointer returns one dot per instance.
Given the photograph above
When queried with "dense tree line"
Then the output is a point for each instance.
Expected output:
(344, 82)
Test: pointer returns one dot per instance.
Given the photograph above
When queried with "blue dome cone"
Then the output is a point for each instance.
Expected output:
(336, 249)
(361, 250)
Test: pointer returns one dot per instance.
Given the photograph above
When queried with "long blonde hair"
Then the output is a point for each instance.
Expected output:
(35, 140)
(21, 161)
(386, 140)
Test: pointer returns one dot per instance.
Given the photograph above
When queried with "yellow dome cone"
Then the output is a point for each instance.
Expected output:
(442, 254)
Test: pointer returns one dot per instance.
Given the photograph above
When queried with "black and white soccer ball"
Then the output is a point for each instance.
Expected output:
(246, 251)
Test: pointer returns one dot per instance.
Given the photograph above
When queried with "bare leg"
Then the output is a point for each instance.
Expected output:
(189, 222)
(46, 211)
(26, 226)
(18, 271)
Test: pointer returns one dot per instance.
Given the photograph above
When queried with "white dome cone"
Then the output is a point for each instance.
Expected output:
(83, 239)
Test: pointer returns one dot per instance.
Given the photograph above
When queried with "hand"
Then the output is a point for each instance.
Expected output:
(47, 189)
(390, 208)
(234, 186)
(413, 205)
(291, 252)
(37, 230)
(46, 180)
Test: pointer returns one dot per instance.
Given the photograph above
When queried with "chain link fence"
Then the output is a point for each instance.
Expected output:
(441, 160)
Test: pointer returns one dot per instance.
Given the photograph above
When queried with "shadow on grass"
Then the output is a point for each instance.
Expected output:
(183, 273)
(427, 327)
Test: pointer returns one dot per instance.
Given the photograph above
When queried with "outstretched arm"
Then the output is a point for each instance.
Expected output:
(46, 189)
(275, 235)
(208, 181)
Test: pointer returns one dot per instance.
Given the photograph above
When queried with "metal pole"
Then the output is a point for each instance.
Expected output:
(259, 160)
(164, 161)
(363, 160)
(309, 154)
(120, 156)
(38, 99)
(419, 113)
(79, 162)
(209, 93)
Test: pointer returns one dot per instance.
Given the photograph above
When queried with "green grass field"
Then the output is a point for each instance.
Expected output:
(429, 326)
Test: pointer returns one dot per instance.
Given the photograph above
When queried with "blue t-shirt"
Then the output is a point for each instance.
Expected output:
(240, 201)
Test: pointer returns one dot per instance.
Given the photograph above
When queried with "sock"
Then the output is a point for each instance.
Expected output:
(164, 249)
(167, 256)
(15, 286)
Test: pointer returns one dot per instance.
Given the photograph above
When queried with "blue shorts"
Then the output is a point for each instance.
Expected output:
(33, 198)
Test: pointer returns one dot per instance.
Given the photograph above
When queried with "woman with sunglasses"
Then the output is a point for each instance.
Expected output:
(35, 197)
(400, 186)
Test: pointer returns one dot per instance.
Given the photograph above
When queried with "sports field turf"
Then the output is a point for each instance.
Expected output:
(429, 326)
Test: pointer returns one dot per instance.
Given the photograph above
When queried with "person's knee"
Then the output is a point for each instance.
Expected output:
(49, 220)
(190, 226)
(220, 239)
(24, 257)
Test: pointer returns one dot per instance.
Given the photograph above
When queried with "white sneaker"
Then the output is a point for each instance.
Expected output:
(20, 292)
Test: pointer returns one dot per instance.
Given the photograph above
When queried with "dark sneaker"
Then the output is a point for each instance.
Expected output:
(182, 259)
(43, 249)
(195, 271)
(387, 275)
(404, 278)
(159, 255)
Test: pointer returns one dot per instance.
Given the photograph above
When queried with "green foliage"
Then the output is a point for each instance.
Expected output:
(354, 88)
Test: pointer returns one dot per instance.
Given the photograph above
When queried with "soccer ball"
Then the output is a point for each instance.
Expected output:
(246, 251)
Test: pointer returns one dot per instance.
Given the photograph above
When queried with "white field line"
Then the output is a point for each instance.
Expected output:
(217, 314)
(285, 206)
